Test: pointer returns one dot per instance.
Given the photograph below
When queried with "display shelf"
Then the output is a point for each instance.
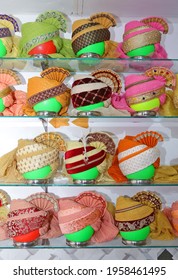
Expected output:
(86, 65)
(66, 183)
(21, 127)
(96, 119)
(60, 243)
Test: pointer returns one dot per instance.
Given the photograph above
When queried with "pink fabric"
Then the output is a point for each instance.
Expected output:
(161, 53)
(134, 24)
(34, 213)
(107, 230)
(156, 25)
(137, 85)
(49, 204)
(162, 98)
(3, 232)
(74, 216)
(24, 217)
(14, 103)
(151, 26)
(144, 85)
(17, 204)
(168, 212)
(73, 220)
(119, 102)
(51, 230)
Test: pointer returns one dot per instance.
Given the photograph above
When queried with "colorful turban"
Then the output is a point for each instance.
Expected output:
(134, 153)
(131, 215)
(8, 41)
(145, 92)
(95, 88)
(81, 156)
(143, 33)
(32, 217)
(31, 155)
(94, 30)
(11, 101)
(87, 209)
(49, 85)
(45, 30)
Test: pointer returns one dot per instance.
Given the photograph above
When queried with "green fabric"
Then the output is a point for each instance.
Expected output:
(44, 29)
(54, 18)
(65, 51)
(36, 33)
(28, 42)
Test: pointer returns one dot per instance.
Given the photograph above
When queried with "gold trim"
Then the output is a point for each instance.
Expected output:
(136, 29)
(157, 19)
(145, 96)
(129, 208)
(141, 40)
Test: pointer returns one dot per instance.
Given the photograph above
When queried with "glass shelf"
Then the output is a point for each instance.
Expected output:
(83, 65)
(168, 119)
(66, 183)
(60, 243)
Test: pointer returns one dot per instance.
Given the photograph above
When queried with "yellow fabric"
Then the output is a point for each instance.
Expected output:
(38, 84)
(161, 228)
(74, 145)
(6, 24)
(110, 51)
(11, 43)
(166, 174)
(168, 108)
(79, 23)
(4, 210)
(28, 150)
(58, 122)
(175, 94)
(111, 208)
(8, 164)
(64, 99)
(124, 203)
(8, 168)
(82, 122)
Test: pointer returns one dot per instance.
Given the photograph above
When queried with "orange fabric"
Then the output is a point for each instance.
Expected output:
(127, 143)
(38, 84)
(83, 122)
(59, 122)
(115, 172)
(156, 163)
(124, 144)
(64, 99)
(111, 50)
(175, 227)
(174, 213)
